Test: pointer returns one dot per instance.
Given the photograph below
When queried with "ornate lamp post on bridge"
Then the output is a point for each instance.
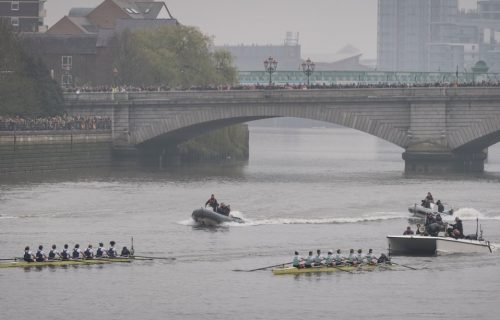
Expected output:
(308, 68)
(270, 65)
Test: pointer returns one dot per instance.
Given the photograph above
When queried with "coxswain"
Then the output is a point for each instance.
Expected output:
(384, 259)
(212, 202)
(40, 255)
(297, 261)
(101, 251)
(112, 253)
(28, 255)
(65, 254)
(339, 258)
(318, 260)
(89, 252)
(370, 257)
(125, 252)
(53, 253)
(309, 260)
(77, 253)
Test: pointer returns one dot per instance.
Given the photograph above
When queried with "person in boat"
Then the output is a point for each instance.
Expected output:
(309, 260)
(112, 253)
(419, 227)
(360, 257)
(101, 251)
(125, 252)
(440, 206)
(339, 258)
(223, 209)
(425, 204)
(408, 231)
(65, 254)
(457, 229)
(330, 259)
(297, 261)
(53, 253)
(28, 255)
(318, 259)
(384, 259)
(89, 252)
(212, 202)
(352, 259)
(429, 198)
(77, 252)
(40, 255)
(370, 257)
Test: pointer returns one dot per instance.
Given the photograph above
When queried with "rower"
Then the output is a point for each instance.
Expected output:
(297, 261)
(309, 260)
(112, 253)
(89, 252)
(53, 253)
(370, 257)
(329, 259)
(28, 255)
(360, 257)
(125, 252)
(101, 251)
(352, 258)
(77, 253)
(65, 254)
(339, 258)
(40, 255)
(318, 260)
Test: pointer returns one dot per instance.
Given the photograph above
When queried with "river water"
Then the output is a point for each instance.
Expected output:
(302, 189)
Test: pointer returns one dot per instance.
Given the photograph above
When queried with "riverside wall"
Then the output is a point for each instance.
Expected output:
(47, 151)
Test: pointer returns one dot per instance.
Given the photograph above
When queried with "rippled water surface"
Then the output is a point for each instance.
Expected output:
(302, 189)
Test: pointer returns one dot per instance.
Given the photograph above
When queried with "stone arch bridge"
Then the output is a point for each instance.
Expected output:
(441, 129)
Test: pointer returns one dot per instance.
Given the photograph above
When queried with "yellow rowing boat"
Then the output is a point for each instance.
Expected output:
(363, 267)
(57, 263)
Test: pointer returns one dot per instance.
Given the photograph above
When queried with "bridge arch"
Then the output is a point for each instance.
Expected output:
(477, 136)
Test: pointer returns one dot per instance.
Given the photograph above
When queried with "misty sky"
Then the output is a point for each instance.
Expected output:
(325, 26)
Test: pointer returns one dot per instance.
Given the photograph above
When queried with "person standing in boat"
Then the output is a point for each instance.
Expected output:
(40, 255)
(440, 206)
(212, 202)
(112, 253)
(28, 255)
(101, 251)
(53, 253)
(65, 254)
(429, 198)
(89, 252)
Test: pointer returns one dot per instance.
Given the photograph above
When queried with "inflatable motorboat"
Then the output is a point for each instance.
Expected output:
(209, 217)
(420, 211)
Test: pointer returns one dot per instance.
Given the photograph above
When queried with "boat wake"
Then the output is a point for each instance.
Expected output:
(473, 214)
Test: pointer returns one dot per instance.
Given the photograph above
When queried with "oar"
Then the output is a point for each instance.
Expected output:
(402, 265)
(263, 268)
(156, 258)
(11, 259)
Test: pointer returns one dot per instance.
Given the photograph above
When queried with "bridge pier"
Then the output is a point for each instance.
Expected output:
(444, 162)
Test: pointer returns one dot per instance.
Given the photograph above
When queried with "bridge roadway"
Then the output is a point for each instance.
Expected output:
(440, 129)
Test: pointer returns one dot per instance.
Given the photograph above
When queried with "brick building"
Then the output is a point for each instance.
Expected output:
(24, 15)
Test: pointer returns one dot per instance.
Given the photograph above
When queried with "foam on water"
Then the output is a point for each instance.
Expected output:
(473, 214)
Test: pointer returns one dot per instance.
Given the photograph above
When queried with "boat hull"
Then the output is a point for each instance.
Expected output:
(60, 263)
(210, 218)
(424, 245)
(293, 270)
(419, 211)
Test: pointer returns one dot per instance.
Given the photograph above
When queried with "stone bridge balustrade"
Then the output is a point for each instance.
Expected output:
(440, 129)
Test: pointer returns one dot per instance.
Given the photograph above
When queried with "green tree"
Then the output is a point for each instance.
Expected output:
(173, 56)
(26, 87)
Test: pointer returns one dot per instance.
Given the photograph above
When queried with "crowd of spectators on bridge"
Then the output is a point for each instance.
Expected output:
(64, 122)
(286, 86)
